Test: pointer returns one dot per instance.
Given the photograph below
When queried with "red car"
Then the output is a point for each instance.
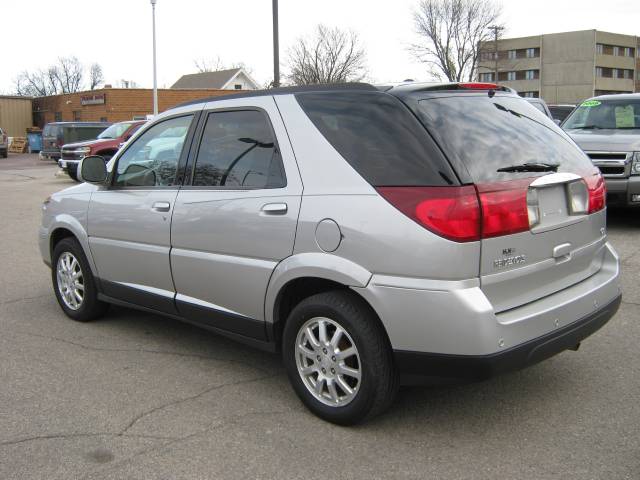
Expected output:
(106, 145)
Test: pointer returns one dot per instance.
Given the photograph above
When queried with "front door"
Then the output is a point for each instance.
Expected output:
(129, 222)
(237, 218)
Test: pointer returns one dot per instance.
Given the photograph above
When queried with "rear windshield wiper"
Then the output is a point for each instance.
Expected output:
(530, 167)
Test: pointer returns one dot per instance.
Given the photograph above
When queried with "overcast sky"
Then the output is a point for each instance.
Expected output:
(117, 33)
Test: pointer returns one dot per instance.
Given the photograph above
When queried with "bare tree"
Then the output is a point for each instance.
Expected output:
(96, 77)
(209, 64)
(330, 55)
(36, 84)
(69, 74)
(65, 76)
(215, 64)
(452, 32)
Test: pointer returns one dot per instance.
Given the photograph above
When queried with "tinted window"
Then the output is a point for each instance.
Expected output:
(379, 137)
(74, 133)
(238, 150)
(484, 134)
(152, 160)
(613, 114)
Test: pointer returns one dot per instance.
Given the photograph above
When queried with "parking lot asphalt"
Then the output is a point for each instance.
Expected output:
(137, 396)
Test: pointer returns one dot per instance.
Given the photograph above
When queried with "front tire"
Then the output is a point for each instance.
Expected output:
(73, 173)
(73, 283)
(338, 358)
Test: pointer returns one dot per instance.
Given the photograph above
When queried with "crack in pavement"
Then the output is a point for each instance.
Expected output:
(64, 436)
(231, 420)
(143, 350)
(16, 300)
(191, 397)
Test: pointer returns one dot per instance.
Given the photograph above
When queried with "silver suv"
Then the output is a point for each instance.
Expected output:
(373, 236)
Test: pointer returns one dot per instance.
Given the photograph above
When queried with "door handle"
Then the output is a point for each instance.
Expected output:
(161, 206)
(274, 208)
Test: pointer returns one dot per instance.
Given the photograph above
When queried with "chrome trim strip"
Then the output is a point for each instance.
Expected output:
(202, 303)
(145, 288)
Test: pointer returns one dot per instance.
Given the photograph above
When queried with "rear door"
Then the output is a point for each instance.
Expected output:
(236, 218)
(542, 230)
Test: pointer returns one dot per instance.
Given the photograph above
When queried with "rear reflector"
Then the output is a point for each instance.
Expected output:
(597, 192)
(451, 212)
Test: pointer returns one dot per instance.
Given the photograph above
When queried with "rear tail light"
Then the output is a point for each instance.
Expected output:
(468, 213)
(451, 212)
(597, 192)
(505, 209)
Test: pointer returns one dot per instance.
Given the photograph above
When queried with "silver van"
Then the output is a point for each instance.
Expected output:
(372, 236)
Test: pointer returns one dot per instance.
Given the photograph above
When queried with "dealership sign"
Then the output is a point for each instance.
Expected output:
(95, 99)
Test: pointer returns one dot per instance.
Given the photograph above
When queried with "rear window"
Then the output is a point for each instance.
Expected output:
(50, 130)
(74, 134)
(379, 137)
(485, 134)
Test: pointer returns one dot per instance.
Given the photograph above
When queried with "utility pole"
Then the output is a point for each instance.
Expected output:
(155, 77)
(496, 33)
(276, 47)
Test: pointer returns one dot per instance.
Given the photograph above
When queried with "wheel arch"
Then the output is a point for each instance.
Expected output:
(303, 275)
(66, 226)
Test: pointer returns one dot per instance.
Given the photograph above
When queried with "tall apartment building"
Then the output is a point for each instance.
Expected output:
(564, 67)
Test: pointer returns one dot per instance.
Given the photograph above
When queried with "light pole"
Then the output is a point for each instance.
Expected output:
(155, 79)
(276, 47)
(496, 33)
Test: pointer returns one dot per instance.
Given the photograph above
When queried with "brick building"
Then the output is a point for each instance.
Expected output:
(112, 104)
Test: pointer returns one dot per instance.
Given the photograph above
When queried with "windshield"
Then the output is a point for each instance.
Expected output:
(611, 114)
(115, 131)
(500, 138)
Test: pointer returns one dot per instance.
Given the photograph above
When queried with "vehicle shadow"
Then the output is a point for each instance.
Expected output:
(624, 219)
(492, 405)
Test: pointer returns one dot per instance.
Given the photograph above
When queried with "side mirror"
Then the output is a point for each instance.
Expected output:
(93, 169)
(557, 121)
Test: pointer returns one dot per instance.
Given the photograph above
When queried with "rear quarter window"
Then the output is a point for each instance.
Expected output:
(379, 137)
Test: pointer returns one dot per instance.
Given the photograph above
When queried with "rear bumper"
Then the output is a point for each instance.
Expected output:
(452, 325)
(415, 366)
(620, 191)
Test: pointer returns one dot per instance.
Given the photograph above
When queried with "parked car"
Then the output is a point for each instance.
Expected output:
(607, 128)
(443, 231)
(4, 144)
(57, 134)
(540, 105)
(560, 112)
(106, 145)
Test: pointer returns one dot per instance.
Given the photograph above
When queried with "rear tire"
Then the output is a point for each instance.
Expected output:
(344, 380)
(5, 154)
(73, 283)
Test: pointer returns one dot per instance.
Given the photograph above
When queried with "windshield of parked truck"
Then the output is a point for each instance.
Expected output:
(605, 114)
(115, 131)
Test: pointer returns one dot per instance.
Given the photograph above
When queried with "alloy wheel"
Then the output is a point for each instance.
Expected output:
(328, 362)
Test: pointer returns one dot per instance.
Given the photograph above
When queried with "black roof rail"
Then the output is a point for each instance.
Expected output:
(329, 87)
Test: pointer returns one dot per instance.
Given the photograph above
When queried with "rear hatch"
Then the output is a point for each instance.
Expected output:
(541, 200)
(52, 138)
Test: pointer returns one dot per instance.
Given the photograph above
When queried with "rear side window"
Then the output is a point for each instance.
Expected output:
(238, 150)
(485, 134)
(379, 137)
